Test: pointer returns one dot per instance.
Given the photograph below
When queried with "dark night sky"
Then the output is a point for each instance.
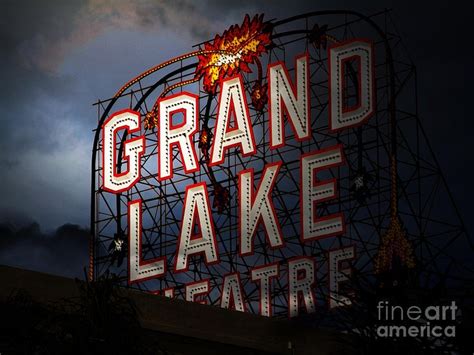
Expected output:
(58, 57)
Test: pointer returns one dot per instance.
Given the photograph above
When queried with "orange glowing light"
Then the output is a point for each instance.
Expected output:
(239, 46)
(394, 244)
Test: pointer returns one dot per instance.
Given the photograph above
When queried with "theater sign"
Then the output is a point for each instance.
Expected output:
(239, 174)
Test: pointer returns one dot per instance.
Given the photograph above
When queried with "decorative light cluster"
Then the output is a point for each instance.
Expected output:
(151, 120)
(259, 95)
(394, 244)
(238, 47)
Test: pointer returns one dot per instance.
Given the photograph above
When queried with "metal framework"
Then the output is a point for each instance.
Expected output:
(425, 205)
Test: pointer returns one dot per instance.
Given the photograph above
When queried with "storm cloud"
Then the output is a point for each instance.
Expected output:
(63, 252)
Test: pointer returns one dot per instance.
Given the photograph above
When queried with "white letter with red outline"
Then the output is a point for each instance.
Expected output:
(198, 288)
(258, 206)
(196, 210)
(313, 191)
(139, 270)
(231, 296)
(133, 150)
(285, 99)
(180, 135)
(336, 276)
(232, 101)
(340, 115)
(168, 292)
(264, 275)
(300, 285)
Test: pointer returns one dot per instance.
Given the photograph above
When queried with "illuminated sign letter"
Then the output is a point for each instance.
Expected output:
(342, 59)
(133, 149)
(139, 270)
(300, 282)
(180, 134)
(336, 275)
(196, 210)
(195, 289)
(258, 206)
(232, 101)
(264, 275)
(313, 191)
(284, 98)
(168, 292)
(231, 296)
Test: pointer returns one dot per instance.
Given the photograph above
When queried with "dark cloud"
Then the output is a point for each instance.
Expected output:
(47, 116)
(50, 30)
(63, 251)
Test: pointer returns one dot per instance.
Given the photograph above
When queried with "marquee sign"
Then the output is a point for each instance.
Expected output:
(256, 173)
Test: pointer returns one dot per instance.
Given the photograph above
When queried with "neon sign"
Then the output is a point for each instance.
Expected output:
(285, 99)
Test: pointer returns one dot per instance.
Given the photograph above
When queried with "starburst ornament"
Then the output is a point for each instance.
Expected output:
(232, 52)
